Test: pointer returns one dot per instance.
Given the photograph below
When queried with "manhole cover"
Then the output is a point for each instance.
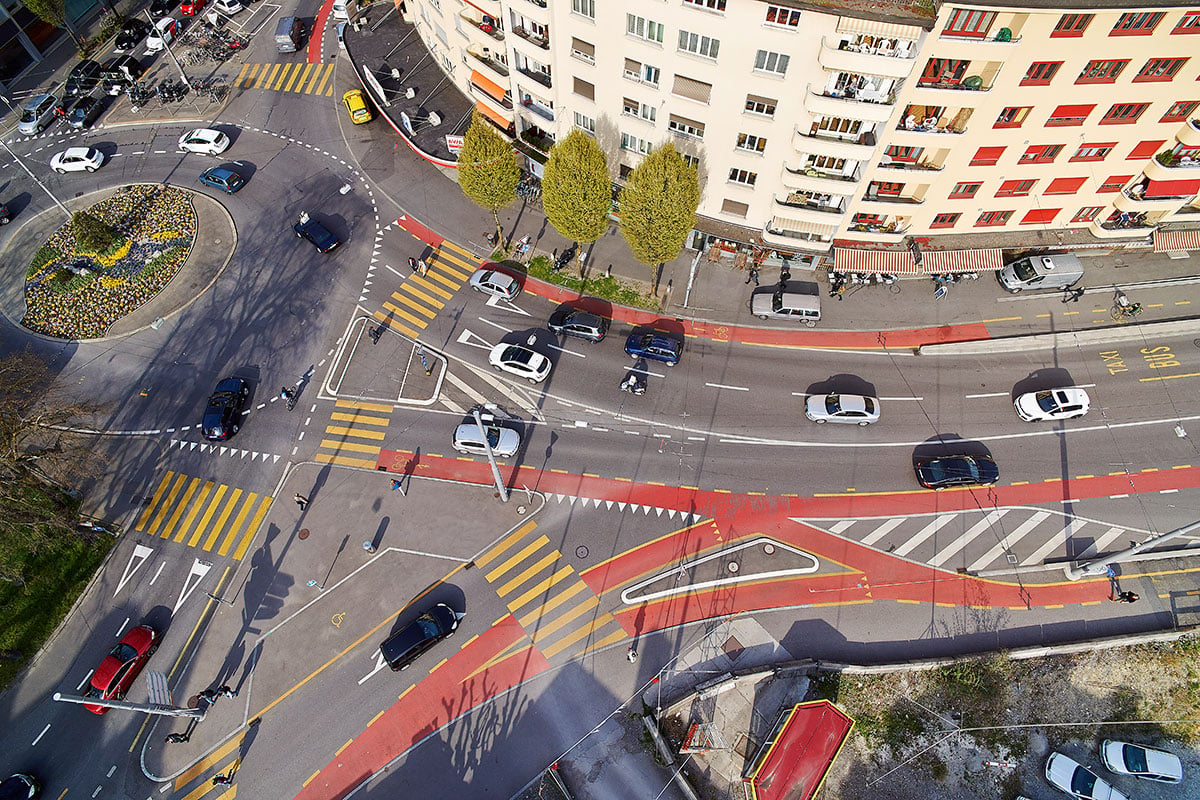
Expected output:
(581, 551)
(303, 533)
(769, 549)
(732, 566)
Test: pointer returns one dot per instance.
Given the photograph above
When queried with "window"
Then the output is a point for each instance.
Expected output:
(885, 188)
(993, 218)
(766, 61)
(1145, 150)
(1113, 184)
(633, 108)
(1015, 188)
(1068, 115)
(1087, 213)
(698, 45)
(585, 7)
(1093, 152)
(642, 73)
(778, 15)
(1040, 154)
(1137, 23)
(909, 155)
(1159, 69)
(1124, 113)
(686, 127)
(944, 220)
(986, 156)
(585, 122)
(836, 125)
(1071, 25)
(964, 22)
(964, 191)
(868, 219)
(1188, 23)
(735, 208)
(943, 70)
(1040, 73)
(643, 28)
(709, 5)
(755, 144)
(1040, 216)
(760, 105)
(1102, 71)
(1180, 111)
(690, 160)
(584, 89)
(634, 144)
(584, 51)
(1012, 117)
(692, 89)
(1065, 185)
(742, 176)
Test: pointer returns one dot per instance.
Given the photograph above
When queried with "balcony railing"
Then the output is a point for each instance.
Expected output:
(920, 166)
(892, 198)
(533, 38)
(506, 102)
(1175, 161)
(476, 21)
(492, 63)
(907, 53)
(541, 111)
(537, 75)
(922, 128)
(861, 96)
(972, 83)
(809, 205)
(814, 172)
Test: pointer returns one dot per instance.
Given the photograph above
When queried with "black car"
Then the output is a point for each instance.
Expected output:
(942, 472)
(321, 237)
(131, 33)
(577, 323)
(86, 112)
(655, 346)
(161, 8)
(119, 72)
(84, 78)
(224, 409)
(20, 787)
(404, 646)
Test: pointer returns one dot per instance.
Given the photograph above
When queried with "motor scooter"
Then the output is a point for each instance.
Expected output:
(635, 380)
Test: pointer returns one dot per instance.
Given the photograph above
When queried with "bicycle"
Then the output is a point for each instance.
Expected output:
(1124, 312)
(291, 396)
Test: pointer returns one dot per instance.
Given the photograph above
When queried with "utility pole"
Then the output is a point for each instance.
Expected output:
(501, 489)
(1099, 566)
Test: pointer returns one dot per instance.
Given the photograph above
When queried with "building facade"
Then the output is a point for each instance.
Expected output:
(820, 130)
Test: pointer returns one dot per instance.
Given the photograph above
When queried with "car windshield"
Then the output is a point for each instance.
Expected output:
(123, 652)
(219, 399)
(1024, 269)
(428, 626)
(1135, 758)
(493, 437)
(28, 116)
(1083, 782)
(1046, 401)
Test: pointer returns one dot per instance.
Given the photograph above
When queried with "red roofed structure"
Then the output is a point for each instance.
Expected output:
(793, 765)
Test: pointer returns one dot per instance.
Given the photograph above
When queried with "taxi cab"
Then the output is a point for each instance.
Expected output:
(356, 106)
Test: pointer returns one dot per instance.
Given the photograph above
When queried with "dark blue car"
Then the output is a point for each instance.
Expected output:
(321, 237)
(222, 178)
(223, 414)
(943, 472)
(655, 346)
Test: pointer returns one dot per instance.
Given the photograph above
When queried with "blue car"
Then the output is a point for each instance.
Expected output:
(655, 346)
(944, 472)
(321, 237)
(223, 413)
(222, 178)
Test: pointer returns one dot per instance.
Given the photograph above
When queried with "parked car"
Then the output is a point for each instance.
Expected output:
(1050, 404)
(519, 360)
(133, 30)
(37, 114)
(1068, 775)
(404, 646)
(854, 409)
(77, 159)
(356, 107)
(118, 73)
(228, 7)
(191, 8)
(943, 472)
(160, 8)
(505, 442)
(84, 78)
(222, 178)
(20, 787)
(579, 324)
(321, 237)
(223, 413)
(495, 283)
(121, 666)
(655, 346)
(164, 33)
(86, 112)
(205, 141)
(1140, 761)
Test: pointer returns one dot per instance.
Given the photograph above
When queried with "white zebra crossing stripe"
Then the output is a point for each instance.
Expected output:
(962, 541)
(1101, 542)
(1056, 541)
(882, 531)
(1006, 544)
(841, 526)
(930, 529)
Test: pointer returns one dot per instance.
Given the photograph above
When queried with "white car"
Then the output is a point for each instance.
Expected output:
(164, 32)
(1051, 404)
(497, 284)
(77, 159)
(853, 409)
(205, 141)
(520, 360)
(504, 442)
(1140, 761)
(1076, 780)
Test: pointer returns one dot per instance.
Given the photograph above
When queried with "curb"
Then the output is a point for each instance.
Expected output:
(1064, 340)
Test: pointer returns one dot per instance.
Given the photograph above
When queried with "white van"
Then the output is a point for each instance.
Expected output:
(782, 304)
(340, 10)
(1055, 271)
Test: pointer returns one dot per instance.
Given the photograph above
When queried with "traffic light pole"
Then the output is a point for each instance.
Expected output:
(501, 489)
(1099, 566)
(146, 708)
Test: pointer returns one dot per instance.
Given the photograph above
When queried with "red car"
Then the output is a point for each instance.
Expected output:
(191, 8)
(121, 666)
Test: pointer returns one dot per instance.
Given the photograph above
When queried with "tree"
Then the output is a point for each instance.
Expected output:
(92, 234)
(658, 207)
(53, 12)
(576, 191)
(487, 169)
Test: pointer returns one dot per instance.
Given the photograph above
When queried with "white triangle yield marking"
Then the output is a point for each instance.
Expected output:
(266, 456)
(193, 445)
(223, 449)
(672, 512)
(473, 340)
(374, 259)
(608, 504)
(500, 302)
(275, 459)
(198, 570)
(660, 511)
(140, 554)
(621, 505)
(362, 298)
(367, 283)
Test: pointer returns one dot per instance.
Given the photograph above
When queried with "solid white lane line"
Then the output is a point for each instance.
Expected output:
(988, 394)
(894, 399)
(731, 388)
(40, 735)
(1008, 541)
(882, 531)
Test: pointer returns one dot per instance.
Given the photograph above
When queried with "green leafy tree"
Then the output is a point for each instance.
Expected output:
(658, 207)
(576, 191)
(92, 234)
(53, 12)
(487, 169)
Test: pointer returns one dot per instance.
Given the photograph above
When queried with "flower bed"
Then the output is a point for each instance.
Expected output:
(79, 295)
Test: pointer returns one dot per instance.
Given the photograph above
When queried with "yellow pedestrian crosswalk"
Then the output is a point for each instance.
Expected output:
(296, 78)
(203, 514)
(227, 759)
(421, 297)
(548, 598)
(354, 435)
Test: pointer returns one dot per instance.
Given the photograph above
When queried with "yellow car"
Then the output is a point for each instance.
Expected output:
(356, 106)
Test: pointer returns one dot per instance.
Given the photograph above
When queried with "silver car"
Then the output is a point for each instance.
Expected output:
(1068, 775)
(521, 361)
(852, 409)
(495, 283)
(504, 442)
(1140, 761)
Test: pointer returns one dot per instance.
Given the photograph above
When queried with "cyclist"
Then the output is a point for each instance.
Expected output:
(286, 394)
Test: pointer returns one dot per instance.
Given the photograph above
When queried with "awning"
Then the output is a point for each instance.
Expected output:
(796, 226)
(936, 261)
(1172, 188)
(494, 116)
(1175, 241)
(871, 27)
(891, 262)
(489, 86)
(800, 753)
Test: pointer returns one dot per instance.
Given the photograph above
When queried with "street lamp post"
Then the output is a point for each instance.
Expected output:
(501, 489)
(1099, 566)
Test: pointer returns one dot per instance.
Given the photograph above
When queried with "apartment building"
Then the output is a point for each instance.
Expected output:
(822, 129)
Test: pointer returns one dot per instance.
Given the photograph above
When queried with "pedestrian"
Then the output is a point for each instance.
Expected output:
(395, 484)
(412, 264)
(176, 738)
(209, 695)
(301, 501)
(422, 266)
(1072, 295)
(227, 691)
(1128, 597)
(374, 333)
(631, 654)
(753, 276)
(785, 274)
(222, 780)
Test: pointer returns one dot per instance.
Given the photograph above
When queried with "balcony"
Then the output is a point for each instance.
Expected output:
(1186, 214)
(482, 55)
(1168, 166)
(851, 147)
(1164, 196)
(818, 181)
(838, 56)
(913, 198)
(934, 121)
(1189, 134)
(797, 205)
(541, 77)
(533, 38)
(536, 106)
(812, 241)
(1135, 227)
(890, 232)
(506, 104)
(971, 83)
(910, 166)
(476, 21)
(863, 106)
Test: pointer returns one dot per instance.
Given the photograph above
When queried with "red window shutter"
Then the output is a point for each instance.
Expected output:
(987, 155)
(1144, 150)
(1065, 185)
(1040, 216)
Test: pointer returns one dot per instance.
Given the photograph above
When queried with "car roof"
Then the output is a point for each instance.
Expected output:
(72, 152)
(220, 172)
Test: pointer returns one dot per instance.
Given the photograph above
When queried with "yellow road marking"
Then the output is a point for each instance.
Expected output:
(191, 517)
(213, 505)
(252, 529)
(1170, 377)
(545, 631)
(180, 507)
(344, 461)
(1001, 319)
(356, 447)
(554, 602)
(225, 512)
(321, 85)
(312, 83)
(542, 586)
(360, 418)
(425, 283)
(504, 544)
(516, 558)
(533, 569)
(302, 75)
(612, 638)
(162, 487)
(166, 506)
(310, 779)
(367, 433)
(266, 78)
(238, 521)
(365, 406)
(404, 315)
(249, 78)
(204, 764)
(408, 286)
(414, 305)
(437, 275)
(242, 74)
(282, 77)
(579, 633)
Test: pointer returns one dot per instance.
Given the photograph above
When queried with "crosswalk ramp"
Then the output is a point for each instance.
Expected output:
(419, 298)
(214, 517)
(547, 597)
(196, 782)
(985, 539)
(300, 78)
(355, 433)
